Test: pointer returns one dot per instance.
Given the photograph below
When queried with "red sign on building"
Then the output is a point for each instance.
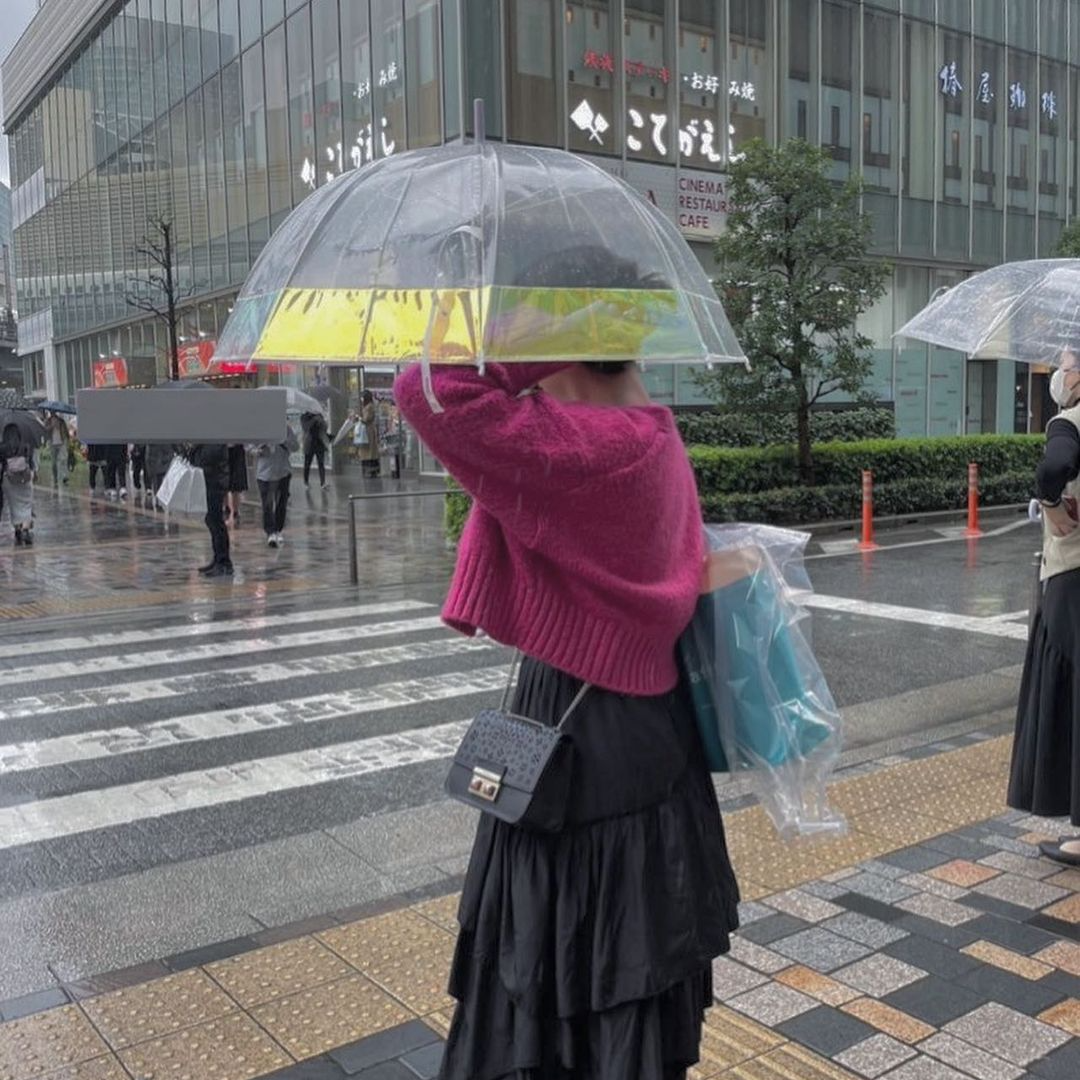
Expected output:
(194, 359)
(109, 373)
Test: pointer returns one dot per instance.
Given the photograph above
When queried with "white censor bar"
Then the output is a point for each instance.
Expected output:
(181, 415)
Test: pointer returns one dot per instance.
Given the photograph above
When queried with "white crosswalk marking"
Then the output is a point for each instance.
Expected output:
(944, 620)
(50, 704)
(132, 661)
(69, 815)
(200, 627)
(245, 721)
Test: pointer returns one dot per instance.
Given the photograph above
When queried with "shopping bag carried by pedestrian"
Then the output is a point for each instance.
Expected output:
(183, 491)
(760, 698)
(360, 434)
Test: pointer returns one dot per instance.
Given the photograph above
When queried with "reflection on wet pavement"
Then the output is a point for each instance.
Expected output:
(92, 554)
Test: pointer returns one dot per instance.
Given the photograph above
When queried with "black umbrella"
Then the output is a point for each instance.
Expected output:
(19, 428)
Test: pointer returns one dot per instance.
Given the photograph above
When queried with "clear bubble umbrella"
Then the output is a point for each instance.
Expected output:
(1027, 311)
(474, 253)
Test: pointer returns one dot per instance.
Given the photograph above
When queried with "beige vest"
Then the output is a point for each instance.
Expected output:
(1062, 553)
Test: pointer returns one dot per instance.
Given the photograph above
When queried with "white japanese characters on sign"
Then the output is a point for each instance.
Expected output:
(1017, 96)
(698, 137)
(698, 81)
(950, 80)
(743, 90)
(360, 153)
(1048, 103)
(984, 94)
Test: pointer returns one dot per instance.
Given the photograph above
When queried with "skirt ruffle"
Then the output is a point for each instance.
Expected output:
(1044, 776)
(587, 953)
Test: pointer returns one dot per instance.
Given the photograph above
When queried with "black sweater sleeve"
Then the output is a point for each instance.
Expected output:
(1061, 461)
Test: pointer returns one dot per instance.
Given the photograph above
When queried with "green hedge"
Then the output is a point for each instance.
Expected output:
(798, 506)
(737, 429)
(910, 476)
(723, 471)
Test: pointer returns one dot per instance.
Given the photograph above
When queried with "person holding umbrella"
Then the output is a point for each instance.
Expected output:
(213, 459)
(273, 473)
(315, 443)
(17, 472)
(1044, 776)
(366, 435)
(58, 443)
(584, 551)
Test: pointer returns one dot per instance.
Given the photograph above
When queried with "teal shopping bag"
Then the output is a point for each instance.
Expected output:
(748, 668)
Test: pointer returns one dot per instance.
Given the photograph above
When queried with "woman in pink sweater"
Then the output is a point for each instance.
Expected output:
(586, 952)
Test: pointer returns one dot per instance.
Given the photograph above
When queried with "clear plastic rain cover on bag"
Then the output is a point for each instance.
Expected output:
(760, 697)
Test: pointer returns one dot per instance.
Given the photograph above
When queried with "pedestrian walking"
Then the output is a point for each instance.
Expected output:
(95, 459)
(137, 454)
(115, 461)
(588, 931)
(273, 474)
(213, 459)
(238, 482)
(58, 445)
(158, 458)
(1044, 776)
(366, 435)
(316, 440)
(17, 483)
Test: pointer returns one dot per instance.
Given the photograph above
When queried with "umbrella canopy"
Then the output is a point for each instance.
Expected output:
(296, 401)
(61, 407)
(1027, 311)
(466, 253)
(183, 384)
(324, 393)
(20, 428)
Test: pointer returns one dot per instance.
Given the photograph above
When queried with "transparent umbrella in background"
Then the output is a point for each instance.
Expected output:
(473, 252)
(1027, 311)
(296, 401)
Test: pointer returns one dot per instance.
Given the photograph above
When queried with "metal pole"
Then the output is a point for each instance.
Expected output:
(354, 562)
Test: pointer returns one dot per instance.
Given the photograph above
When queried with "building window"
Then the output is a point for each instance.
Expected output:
(801, 119)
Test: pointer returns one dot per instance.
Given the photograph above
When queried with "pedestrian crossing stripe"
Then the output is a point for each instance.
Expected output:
(202, 627)
(69, 815)
(132, 662)
(179, 729)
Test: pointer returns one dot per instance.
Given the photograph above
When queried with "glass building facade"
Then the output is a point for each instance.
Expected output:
(222, 115)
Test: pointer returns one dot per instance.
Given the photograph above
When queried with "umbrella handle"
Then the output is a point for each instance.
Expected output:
(425, 361)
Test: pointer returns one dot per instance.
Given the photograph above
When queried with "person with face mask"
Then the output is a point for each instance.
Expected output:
(1044, 776)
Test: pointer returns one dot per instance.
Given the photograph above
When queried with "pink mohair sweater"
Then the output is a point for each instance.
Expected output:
(584, 545)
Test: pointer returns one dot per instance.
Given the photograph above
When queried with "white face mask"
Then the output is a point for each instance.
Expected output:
(1059, 390)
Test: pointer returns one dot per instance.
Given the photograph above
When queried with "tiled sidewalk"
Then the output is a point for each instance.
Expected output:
(931, 943)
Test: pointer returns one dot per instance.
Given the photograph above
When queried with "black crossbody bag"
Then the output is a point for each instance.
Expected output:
(514, 768)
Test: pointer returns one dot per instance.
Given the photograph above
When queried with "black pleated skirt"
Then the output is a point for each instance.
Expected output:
(1044, 775)
(586, 954)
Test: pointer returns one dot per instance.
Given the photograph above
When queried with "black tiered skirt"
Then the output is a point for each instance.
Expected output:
(587, 954)
(1045, 773)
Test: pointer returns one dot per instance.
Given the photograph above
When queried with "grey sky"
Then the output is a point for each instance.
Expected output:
(16, 17)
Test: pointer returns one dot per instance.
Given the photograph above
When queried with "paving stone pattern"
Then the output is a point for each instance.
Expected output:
(951, 957)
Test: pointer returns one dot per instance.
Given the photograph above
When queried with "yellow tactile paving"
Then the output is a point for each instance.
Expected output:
(404, 953)
(333, 1014)
(260, 976)
(789, 1062)
(1007, 960)
(442, 912)
(728, 1039)
(240, 1018)
(42, 1044)
(154, 1009)
(900, 1025)
(233, 1048)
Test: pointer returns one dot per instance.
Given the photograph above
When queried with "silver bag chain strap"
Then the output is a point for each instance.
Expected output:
(515, 666)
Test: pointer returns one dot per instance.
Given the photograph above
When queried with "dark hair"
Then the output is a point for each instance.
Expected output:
(366, 397)
(589, 266)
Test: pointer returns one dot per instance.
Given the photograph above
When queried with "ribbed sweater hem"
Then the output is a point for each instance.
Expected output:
(546, 626)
